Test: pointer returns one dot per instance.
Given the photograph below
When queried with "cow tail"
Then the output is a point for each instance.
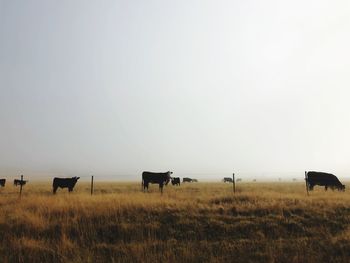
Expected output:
(142, 184)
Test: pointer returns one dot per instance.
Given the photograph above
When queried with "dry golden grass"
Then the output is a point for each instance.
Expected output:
(204, 222)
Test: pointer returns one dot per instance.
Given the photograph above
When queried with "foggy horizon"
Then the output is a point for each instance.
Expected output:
(196, 87)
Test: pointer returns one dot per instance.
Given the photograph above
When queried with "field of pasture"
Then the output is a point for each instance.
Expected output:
(196, 222)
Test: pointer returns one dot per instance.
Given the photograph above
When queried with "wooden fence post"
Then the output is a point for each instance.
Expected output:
(20, 187)
(92, 184)
(306, 183)
(234, 183)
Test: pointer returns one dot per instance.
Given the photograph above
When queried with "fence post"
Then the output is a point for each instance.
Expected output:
(20, 187)
(92, 184)
(234, 183)
(306, 183)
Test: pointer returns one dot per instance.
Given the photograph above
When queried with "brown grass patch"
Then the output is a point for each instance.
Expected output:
(192, 223)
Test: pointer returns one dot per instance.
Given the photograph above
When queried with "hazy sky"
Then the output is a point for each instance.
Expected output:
(117, 87)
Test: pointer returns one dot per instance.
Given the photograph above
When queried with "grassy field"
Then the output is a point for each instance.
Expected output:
(204, 222)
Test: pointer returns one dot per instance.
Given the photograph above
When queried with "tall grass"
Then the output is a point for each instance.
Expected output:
(192, 223)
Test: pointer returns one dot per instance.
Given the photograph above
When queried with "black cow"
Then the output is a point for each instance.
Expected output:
(19, 182)
(187, 180)
(64, 183)
(175, 181)
(323, 179)
(228, 180)
(155, 178)
(2, 182)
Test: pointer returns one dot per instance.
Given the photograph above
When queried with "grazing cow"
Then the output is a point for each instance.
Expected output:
(64, 183)
(187, 180)
(155, 178)
(175, 181)
(323, 179)
(239, 180)
(228, 180)
(19, 182)
(2, 182)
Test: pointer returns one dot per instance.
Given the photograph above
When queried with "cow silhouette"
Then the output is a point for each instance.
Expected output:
(17, 182)
(175, 181)
(155, 178)
(2, 182)
(228, 180)
(64, 183)
(323, 179)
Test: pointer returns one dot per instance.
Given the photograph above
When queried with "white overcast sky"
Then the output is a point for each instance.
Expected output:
(194, 86)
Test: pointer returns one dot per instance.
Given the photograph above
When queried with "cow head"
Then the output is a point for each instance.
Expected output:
(342, 188)
(168, 178)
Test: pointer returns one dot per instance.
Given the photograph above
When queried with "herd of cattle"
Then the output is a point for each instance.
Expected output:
(57, 183)
(311, 178)
(147, 178)
(163, 179)
(15, 182)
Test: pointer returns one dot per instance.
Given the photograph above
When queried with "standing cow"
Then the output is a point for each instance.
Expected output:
(2, 182)
(64, 183)
(228, 180)
(17, 182)
(187, 180)
(155, 178)
(323, 179)
(175, 181)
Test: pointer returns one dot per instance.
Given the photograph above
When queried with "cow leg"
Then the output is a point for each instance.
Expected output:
(161, 188)
(145, 186)
(326, 187)
(311, 187)
(70, 189)
(54, 190)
